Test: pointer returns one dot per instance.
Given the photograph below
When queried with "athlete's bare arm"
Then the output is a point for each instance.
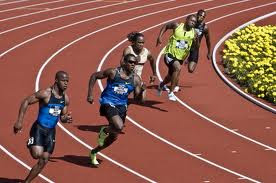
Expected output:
(66, 116)
(39, 96)
(170, 25)
(108, 73)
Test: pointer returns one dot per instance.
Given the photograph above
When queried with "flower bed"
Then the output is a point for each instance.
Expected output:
(250, 58)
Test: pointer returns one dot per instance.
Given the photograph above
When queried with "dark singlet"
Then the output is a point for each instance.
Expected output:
(49, 114)
(200, 30)
(117, 90)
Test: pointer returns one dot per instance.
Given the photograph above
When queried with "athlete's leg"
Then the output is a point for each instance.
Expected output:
(175, 75)
(192, 66)
(43, 157)
(113, 130)
(193, 59)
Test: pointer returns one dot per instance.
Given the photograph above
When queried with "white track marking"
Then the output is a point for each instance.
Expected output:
(229, 83)
(37, 81)
(76, 23)
(205, 117)
(29, 6)
(52, 9)
(60, 16)
(13, 2)
(23, 164)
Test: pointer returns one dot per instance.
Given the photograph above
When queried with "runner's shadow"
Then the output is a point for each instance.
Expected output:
(147, 103)
(91, 128)
(77, 160)
(6, 180)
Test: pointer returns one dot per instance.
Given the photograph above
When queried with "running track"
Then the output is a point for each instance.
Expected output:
(40, 37)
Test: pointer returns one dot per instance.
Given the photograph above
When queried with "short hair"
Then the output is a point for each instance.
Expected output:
(201, 11)
(190, 16)
(133, 36)
(127, 56)
(59, 73)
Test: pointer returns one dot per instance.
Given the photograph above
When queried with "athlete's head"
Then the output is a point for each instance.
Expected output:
(130, 61)
(190, 21)
(201, 14)
(137, 39)
(61, 80)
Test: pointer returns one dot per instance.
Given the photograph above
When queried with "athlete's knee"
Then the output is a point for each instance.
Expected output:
(36, 154)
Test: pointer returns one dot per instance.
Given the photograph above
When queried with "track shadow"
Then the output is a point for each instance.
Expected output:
(147, 103)
(6, 180)
(92, 128)
(77, 160)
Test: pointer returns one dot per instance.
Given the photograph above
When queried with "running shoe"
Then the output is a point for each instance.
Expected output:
(172, 96)
(93, 158)
(102, 136)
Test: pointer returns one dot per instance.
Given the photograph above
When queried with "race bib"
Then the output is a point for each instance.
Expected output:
(121, 89)
(181, 44)
(55, 111)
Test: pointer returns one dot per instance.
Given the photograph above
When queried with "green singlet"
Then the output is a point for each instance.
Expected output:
(180, 42)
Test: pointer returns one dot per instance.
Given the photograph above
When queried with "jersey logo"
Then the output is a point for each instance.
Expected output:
(55, 111)
(121, 89)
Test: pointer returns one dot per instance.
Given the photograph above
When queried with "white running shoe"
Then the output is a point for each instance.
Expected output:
(172, 96)
(176, 89)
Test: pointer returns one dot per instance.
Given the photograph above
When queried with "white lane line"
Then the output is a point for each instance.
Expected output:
(60, 16)
(229, 83)
(76, 23)
(37, 83)
(200, 114)
(13, 2)
(52, 9)
(29, 6)
(23, 164)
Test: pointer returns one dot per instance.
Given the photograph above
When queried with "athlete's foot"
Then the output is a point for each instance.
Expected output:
(102, 136)
(161, 88)
(93, 158)
(172, 96)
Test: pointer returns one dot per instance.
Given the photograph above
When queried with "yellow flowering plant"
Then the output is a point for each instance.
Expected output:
(249, 57)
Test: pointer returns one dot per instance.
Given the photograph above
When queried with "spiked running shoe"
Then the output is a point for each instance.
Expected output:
(102, 136)
(93, 158)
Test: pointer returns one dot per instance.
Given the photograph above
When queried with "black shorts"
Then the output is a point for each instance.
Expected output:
(193, 55)
(169, 60)
(109, 111)
(42, 136)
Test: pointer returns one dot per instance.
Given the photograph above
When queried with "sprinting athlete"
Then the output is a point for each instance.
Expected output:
(53, 106)
(201, 30)
(177, 50)
(121, 82)
(143, 55)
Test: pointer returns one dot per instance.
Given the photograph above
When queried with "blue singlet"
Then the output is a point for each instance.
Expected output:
(117, 90)
(49, 114)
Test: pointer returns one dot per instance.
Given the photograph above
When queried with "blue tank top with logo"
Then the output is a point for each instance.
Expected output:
(49, 114)
(117, 90)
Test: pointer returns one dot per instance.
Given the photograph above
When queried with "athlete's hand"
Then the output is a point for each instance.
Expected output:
(68, 118)
(90, 99)
(158, 41)
(208, 56)
(17, 127)
(152, 79)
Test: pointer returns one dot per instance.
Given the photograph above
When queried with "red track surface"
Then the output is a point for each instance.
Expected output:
(136, 149)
